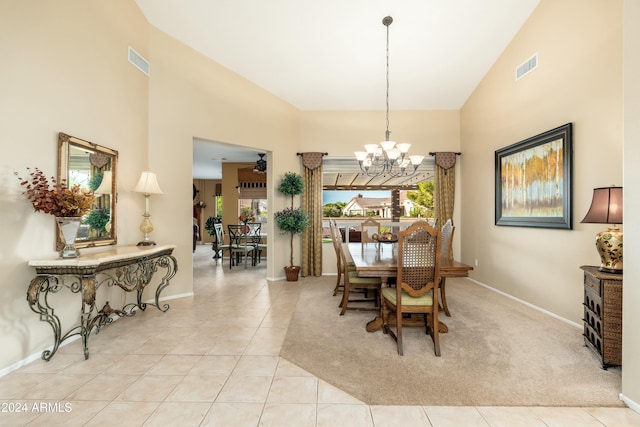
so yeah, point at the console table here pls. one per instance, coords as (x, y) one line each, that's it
(130, 268)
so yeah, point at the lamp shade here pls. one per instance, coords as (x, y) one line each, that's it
(148, 184)
(106, 184)
(606, 206)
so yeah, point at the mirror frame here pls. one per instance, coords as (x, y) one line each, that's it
(64, 143)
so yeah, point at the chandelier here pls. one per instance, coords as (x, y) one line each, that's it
(388, 158)
(261, 165)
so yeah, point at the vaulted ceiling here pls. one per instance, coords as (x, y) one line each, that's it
(330, 54)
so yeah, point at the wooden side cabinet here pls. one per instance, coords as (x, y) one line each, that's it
(603, 315)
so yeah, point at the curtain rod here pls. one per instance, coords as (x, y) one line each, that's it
(300, 154)
(433, 153)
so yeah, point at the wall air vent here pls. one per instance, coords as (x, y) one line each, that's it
(138, 61)
(526, 67)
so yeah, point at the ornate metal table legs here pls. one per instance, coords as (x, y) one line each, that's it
(130, 275)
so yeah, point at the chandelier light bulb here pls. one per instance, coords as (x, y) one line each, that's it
(361, 155)
(371, 148)
(393, 154)
(416, 159)
(387, 145)
(403, 147)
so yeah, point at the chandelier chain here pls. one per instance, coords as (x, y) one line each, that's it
(387, 103)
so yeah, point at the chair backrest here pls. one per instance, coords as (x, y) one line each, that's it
(368, 228)
(418, 259)
(254, 231)
(336, 238)
(446, 238)
(336, 235)
(219, 233)
(237, 234)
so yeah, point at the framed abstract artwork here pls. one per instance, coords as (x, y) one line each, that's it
(533, 181)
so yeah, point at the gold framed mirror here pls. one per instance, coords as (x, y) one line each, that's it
(94, 167)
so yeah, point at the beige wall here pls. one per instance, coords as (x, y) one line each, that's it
(191, 96)
(64, 69)
(340, 133)
(579, 80)
(631, 290)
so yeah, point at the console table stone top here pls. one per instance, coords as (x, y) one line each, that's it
(112, 254)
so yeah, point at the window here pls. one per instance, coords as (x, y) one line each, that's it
(256, 208)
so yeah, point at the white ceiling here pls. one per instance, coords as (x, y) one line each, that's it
(330, 54)
(208, 157)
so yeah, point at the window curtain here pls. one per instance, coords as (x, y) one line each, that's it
(251, 185)
(252, 190)
(445, 185)
(311, 262)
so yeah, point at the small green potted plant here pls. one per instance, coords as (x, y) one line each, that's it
(291, 220)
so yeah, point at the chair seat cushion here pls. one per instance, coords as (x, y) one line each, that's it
(355, 279)
(390, 295)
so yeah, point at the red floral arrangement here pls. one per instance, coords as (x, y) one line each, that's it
(55, 198)
(246, 218)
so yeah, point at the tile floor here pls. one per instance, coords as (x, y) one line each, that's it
(212, 360)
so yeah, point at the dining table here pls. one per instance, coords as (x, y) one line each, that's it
(372, 260)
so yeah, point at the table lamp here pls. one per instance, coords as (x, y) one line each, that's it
(147, 185)
(105, 188)
(106, 184)
(606, 208)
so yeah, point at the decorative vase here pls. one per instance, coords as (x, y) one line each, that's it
(69, 227)
(292, 272)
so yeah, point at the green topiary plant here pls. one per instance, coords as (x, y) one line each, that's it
(291, 220)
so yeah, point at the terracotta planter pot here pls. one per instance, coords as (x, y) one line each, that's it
(292, 273)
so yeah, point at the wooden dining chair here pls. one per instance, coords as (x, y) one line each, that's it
(368, 228)
(446, 252)
(336, 240)
(354, 284)
(240, 245)
(416, 291)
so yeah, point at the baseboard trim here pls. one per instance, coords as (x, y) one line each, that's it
(535, 307)
(634, 406)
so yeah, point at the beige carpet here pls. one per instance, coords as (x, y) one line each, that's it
(497, 352)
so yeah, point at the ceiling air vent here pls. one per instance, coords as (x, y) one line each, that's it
(526, 67)
(138, 61)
